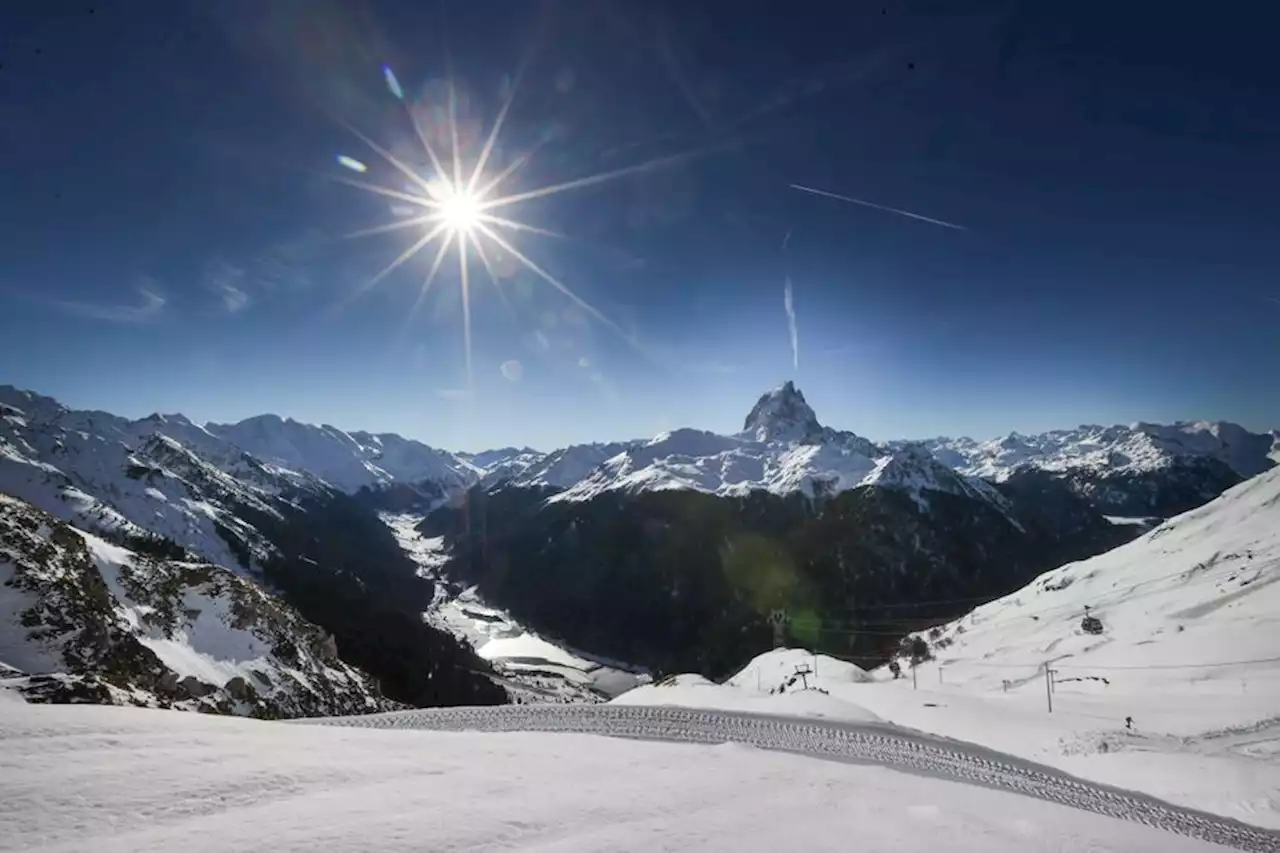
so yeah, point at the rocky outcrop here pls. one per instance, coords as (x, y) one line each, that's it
(88, 621)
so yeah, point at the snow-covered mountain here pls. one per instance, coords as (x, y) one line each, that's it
(349, 460)
(168, 488)
(84, 620)
(130, 481)
(1142, 469)
(1118, 449)
(781, 449)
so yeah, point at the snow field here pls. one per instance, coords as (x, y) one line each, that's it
(118, 779)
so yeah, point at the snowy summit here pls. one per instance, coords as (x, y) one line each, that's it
(782, 415)
(782, 448)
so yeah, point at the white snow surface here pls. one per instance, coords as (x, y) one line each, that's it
(1136, 448)
(1190, 650)
(144, 781)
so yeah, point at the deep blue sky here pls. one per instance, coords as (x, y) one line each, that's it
(171, 229)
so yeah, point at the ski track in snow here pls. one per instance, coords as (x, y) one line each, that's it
(857, 742)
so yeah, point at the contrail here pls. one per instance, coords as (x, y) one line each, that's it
(789, 302)
(885, 208)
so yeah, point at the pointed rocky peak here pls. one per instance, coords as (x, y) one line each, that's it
(782, 415)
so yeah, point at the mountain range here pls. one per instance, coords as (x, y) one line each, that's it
(668, 552)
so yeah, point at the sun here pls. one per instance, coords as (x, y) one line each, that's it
(460, 209)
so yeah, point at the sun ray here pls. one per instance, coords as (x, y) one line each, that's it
(553, 281)
(600, 177)
(392, 226)
(408, 253)
(426, 284)
(519, 226)
(493, 277)
(511, 168)
(453, 135)
(384, 191)
(497, 126)
(466, 304)
(426, 143)
(403, 168)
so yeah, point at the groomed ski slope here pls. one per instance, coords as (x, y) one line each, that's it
(122, 779)
(1190, 650)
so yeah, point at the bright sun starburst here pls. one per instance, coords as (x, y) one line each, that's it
(462, 210)
(459, 209)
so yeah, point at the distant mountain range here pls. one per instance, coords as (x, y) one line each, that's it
(708, 532)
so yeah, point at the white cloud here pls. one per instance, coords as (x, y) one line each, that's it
(789, 303)
(584, 362)
(225, 281)
(149, 306)
(234, 299)
(512, 370)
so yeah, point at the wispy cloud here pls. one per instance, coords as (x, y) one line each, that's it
(148, 306)
(788, 301)
(226, 281)
(512, 370)
(453, 393)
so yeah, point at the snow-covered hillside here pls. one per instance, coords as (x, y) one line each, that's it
(84, 620)
(1202, 588)
(349, 460)
(122, 779)
(130, 479)
(1189, 648)
(1114, 449)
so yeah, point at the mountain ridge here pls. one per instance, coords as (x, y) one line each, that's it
(781, 423)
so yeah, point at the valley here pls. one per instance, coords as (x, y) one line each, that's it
(531, 668)
(575, 574)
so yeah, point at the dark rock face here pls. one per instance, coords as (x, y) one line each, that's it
(686, 581)
(782, 414)
(341, 567)
(195, 688)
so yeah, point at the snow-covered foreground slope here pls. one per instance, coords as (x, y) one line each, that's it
(1192, 607)
(1189, 649)
(112, 779)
